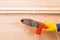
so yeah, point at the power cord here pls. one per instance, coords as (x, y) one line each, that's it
(57, 36)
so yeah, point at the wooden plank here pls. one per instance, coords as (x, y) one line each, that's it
(12, 29)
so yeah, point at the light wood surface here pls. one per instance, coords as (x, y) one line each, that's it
(29, 3)
(12, 29)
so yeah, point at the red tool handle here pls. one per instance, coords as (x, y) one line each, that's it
(40, 28)
(39, 31)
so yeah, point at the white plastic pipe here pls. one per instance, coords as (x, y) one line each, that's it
(45, 10)
(42, 8)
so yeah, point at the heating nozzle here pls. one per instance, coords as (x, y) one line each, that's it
(32, 23)
(29, 22)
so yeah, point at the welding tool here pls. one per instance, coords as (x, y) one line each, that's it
(32, 23)
(48, 26)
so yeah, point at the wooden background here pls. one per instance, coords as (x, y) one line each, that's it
(29, 3)
(12, 29)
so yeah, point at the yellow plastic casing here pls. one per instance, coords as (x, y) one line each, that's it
(51, 26)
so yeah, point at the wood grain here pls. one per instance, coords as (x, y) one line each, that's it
(29, 3)
(12, 29)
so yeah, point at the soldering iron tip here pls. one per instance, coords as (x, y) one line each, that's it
(22, 20)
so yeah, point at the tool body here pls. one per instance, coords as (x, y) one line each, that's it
(48, 26)
(52, 26)
(32, 23)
